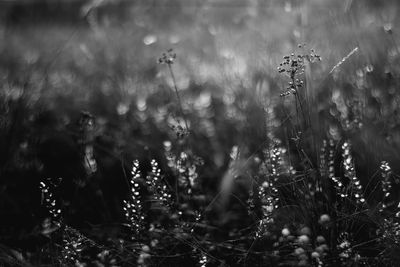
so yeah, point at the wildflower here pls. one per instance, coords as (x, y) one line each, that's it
(285, 232)
(203, 260)
(322, 248)
(168, 57)
(275, 161)
(267, 191)
(303, 239)
(157, 186)
(144, 256)
(320, 239)
(338, 184)
(305, 231)
(72, 246)
(322, 159)
(267, 194)
(315, 255)
(324, 219)
(386, 184)
(181, 132)
(344, 247)
(390, 231)
(350, 173)
(184, 167)
(133, 207)
(51, 204)
(299, 251)
(294, 66)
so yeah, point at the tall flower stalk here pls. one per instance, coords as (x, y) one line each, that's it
(293, 66)
(133, 207)
(168, 58)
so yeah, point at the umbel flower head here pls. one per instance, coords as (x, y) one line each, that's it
(293, 65)
(167, 57)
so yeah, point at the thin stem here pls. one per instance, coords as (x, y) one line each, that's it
(297, 112)
(178, 96)
(301, 106)
(176, 183)
(184, 119)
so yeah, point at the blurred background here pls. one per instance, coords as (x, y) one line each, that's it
(82, 94)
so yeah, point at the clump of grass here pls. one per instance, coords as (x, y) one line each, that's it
(301, 209)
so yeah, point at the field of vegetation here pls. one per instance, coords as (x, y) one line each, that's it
(200, 133)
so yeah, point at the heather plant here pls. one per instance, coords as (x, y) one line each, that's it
(133, 207)
(354, 185)
(157, 186)
(52, 207)
(267, 190)
(387, 202)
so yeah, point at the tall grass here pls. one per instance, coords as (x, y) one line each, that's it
(302, 210)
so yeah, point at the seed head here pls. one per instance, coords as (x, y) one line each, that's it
(167, 57)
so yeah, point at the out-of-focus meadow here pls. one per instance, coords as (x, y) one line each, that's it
(82, 95)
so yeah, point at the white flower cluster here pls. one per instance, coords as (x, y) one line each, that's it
(133, 207)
